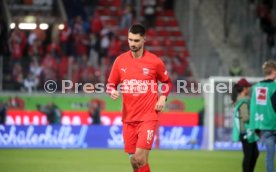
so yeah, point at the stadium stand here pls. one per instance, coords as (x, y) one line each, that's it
(92, 35)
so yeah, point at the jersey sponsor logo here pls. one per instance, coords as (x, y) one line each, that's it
(145, 71)
(136, 86)
(149, 136)
(259, 117)
(261, 95)
(123, 69)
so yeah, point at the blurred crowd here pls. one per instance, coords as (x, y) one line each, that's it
(84, 49)
(265, 11)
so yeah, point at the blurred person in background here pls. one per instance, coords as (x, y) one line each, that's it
(235, 69)
(114, 49)
(31, 83)
(4, 49)
(263, 111)
(241, 131)
(51, 111)
(96, 23)
(3, 112)
(94, 108)
(149, 7)
(126, 19)
(17, 76)
(94, 49)
(64, 37)
(16, 102)
(17, 43)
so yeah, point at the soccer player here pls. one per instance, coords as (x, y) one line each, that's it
(263, 111)
(136, 73)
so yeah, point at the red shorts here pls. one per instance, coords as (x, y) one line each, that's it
(138, 135)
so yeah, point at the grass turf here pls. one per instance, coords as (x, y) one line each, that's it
(95, 160)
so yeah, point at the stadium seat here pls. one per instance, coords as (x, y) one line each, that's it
(186, 53)
(103, 3)
(172, 23)
(164, 33)
(110, 3)
(151, 32)
(169, 13)
(156, 42)
(160, 53)
(123, 32)
(176, 33)
(112, 21)
(180, 43)
(160, 22)
(104, 12)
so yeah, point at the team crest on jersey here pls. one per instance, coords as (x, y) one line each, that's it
(145, 71)
(261, 95)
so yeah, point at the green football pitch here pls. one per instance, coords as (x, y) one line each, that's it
(98, 160)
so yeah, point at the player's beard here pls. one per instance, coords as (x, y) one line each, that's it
(135, 49)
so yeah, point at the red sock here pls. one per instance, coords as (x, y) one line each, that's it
(144, 168)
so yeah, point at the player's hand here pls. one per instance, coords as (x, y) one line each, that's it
(160, 103)
(114, 94)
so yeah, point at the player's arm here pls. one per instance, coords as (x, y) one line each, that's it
(163, 77)
(113, 81)
(244, 113)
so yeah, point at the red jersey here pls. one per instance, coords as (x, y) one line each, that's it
(137, 80)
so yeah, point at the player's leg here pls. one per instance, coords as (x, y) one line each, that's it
(270, 141)
(255, 154)
(130, 140)
(139, 160)
(246, 154)
(146, 131)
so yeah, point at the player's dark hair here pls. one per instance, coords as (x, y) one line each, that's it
(137, 29)
(237, 89)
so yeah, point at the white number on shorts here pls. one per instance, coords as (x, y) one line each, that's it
(150, 136)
